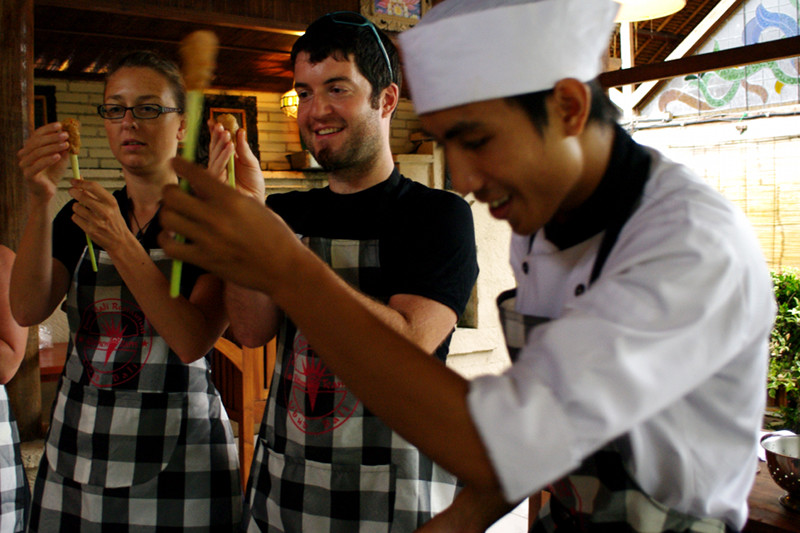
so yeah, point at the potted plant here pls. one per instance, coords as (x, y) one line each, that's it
(783, 378)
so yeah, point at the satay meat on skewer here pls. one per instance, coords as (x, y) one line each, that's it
(230, 123)
(73, 129)
(198, 59)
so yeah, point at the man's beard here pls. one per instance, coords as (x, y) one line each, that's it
(331, 161)
(359, 150)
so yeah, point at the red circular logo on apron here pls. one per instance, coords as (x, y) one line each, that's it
(114, 341)
(317, 402)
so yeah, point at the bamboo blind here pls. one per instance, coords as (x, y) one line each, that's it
(763, 178)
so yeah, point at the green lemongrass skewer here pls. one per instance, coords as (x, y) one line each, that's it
(194, 109)
(76, 173)
(230, 125)
(231, 173)
(199, 53)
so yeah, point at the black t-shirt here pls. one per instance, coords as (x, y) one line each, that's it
(427, 238)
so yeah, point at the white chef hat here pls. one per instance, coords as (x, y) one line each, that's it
(465, 51)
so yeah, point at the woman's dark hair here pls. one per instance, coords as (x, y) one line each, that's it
(602, 110)
(155, 61)
(326, 37)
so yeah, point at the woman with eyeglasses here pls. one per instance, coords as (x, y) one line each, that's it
(139, 439)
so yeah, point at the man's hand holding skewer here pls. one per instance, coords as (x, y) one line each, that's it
(249, 179)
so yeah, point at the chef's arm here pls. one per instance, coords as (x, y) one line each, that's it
(416, 395)
(472, 511)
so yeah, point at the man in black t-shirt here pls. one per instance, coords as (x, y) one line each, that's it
(323, 462)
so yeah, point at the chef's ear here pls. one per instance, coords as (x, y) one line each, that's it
(572, 102)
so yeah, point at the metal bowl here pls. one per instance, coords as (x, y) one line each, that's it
(783, 462)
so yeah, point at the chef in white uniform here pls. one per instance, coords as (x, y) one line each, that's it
(643, 305)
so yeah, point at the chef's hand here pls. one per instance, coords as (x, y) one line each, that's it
(227, 233)
(249, 179)
(43, 160)
(470, 512)
(97, 213)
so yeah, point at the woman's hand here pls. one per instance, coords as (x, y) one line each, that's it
(249, 179)
(43, 160)
(97, 213)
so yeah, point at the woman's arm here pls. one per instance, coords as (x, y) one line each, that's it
(38, 282)
(13, 337)
(190, 326)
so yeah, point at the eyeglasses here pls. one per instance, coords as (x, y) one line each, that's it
(347, 17)
(141, 111)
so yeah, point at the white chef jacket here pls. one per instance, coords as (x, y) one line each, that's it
(668, 346)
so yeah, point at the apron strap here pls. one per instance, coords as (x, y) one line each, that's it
(638, 169)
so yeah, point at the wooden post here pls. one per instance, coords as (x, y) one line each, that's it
(16, 122)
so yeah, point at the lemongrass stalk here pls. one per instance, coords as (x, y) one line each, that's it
(231, 173)
(76, 173)
(194, 110)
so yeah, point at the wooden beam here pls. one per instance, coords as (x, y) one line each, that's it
(101, 35)
(16, 124)
(733, 57)
(715, 18)
(194, 16)
(626, 55)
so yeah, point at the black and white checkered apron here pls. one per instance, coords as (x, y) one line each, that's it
(14, 492)
(138, 441)
(600, 495)
(324, 463)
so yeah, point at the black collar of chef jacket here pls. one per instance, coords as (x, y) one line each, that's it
(613, 201)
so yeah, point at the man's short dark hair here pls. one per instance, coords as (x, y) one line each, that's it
(602, 111)
(326, 38)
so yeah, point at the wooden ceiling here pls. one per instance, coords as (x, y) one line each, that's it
(77, 39)
(654, 40)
